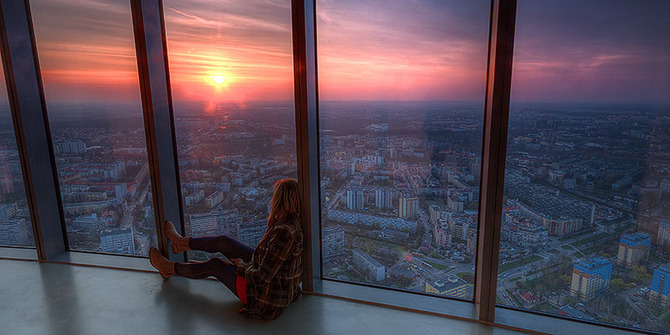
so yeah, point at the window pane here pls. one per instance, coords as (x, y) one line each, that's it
(586, 212)
(15, 224)
(401, 89)
(232, 81)
(87, 58)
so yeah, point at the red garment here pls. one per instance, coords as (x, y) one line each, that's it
(241, 285)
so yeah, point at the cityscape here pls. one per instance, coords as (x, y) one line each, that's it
(586, 222)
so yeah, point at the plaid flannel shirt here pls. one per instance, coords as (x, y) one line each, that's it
(275, 271)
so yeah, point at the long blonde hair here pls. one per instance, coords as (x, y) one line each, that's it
(285, 202)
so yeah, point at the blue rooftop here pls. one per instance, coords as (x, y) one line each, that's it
(594, 262)
(665, 268)
(635, 239)
(636, 236)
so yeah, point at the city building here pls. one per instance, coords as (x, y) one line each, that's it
(590, 277)
(14, 231)
(88, 222)
(355, 200)
(203, 224)
(408, 207)
(118, 241)
(251, 232)
(561, 227)
(372, 220)
(213, 199)
(434, 213)
(663, 235)
(525, 236)
(384, 198)
(371, 268)
(194, 198)
(454, 204)
(633, 248)
(333, 242)
(69, 147)
(8, 210)
(442, 238)
(227, 221)
(451, 286)
(660, 285)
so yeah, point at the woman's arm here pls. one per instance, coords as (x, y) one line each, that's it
(279, 248)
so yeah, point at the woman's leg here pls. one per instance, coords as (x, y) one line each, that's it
(228, 246)
(214, 267)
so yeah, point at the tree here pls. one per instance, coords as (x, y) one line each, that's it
(618, 284)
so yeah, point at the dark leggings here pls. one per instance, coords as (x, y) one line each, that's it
(215, 267)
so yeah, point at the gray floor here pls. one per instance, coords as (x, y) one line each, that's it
(67, 299)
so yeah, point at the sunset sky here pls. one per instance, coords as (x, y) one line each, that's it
(237, 51)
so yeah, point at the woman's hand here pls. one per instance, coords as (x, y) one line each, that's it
(237, 261)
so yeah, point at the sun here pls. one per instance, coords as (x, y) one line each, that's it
(219, 80)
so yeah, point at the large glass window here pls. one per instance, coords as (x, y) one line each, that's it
(232, 80)
(87, 58)
(15, 224)
(586, 221)
(401, 89)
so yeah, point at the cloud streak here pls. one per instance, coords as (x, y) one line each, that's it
(566, 50)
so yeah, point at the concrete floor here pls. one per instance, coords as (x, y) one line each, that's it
(67, 299)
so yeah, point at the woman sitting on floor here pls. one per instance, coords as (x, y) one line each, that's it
(267, 278)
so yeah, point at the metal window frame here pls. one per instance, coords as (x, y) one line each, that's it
(494, 153)
(31, 128)
(156, 92)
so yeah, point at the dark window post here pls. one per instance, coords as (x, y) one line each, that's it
(152, 63)
(303, 18)
(494, 150)
(31, 126)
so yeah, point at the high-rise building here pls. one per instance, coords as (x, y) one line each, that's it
(660, 285)
(663, 233)
(633, 248)
(590, 277)
(408, 207)
(118, 241)
(434, 213)
(333, 242)
(383, 198)
(355, 199)
(442, 238)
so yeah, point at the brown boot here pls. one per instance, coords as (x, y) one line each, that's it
(164, 266)
(179, 243)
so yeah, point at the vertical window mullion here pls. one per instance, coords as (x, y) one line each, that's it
(149, 28)
(303, 18)
(31, 126)
(494, 148)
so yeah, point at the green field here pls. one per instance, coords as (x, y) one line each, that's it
(435, 265)
(565, 238)
(518, 263)
(590, 239)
